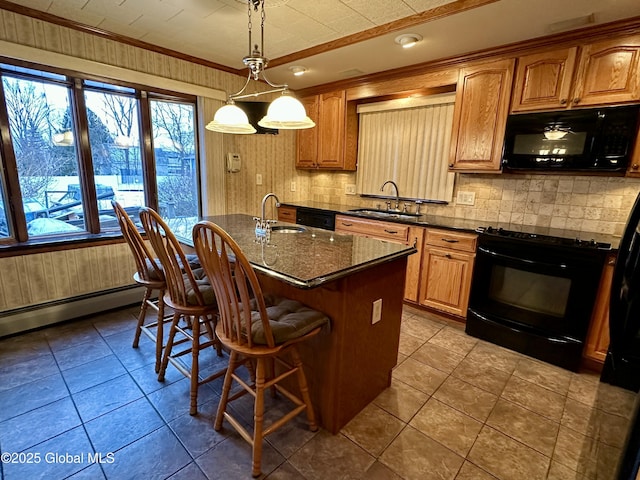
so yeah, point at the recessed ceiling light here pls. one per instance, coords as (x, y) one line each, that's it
(408, 40)
(298, 70)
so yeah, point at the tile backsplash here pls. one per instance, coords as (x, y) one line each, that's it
(587, 203)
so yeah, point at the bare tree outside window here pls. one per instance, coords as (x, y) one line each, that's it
(115, 150)
(42, 133)
(174, 146)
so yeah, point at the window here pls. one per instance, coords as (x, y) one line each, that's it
(116, 153)
(406, 141)
(176, 174)
(76, 144)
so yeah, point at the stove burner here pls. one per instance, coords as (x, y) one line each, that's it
(544, 239)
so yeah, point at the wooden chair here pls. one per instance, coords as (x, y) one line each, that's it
(193, 301)
(262, 328)
(149, 275)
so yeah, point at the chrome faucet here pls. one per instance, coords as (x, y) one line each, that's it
(263, 225)
(397, 209)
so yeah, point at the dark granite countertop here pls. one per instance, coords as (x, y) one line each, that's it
(307, 259)
(451, 223)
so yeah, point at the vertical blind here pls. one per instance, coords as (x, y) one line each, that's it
(406, 141)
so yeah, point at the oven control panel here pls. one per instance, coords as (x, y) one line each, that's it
(543, 239)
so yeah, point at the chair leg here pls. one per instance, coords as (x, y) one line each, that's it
(226, 388)
(258, 417)
(160, 330)
(195, 350)
(167, 350)
(304, 389)
(141, 316)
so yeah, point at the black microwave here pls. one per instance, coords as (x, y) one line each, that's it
(589, 140)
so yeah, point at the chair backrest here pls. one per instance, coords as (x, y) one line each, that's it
(182, 286)
(235, 283)
(146, 264)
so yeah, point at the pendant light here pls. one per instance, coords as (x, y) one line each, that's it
(285, 112)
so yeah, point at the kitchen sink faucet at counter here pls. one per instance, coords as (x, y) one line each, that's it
(263, 225)
(397, 208)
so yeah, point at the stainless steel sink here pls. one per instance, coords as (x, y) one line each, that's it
(287, 229)
(368, 212)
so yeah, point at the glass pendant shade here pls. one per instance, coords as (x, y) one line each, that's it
(231, 119)
(287, 113)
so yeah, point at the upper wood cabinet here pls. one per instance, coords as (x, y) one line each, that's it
(543, 80)
(329, 145)
(608, 72)
(603, 73)
(480, 115)
(634, 163)
(307, 155)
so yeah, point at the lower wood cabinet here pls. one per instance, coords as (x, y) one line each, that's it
(447, 266)
(392, 232)
(439, 274)
(597, 343)
(287, 214)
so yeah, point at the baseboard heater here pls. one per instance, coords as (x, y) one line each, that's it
(29, 318)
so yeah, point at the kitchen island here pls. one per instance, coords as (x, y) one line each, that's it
(349, 363)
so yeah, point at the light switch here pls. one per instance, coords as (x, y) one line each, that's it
(293, 186)
(258, 179)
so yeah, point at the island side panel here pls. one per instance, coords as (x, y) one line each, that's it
(349, 366)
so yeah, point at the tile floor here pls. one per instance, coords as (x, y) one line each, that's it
(458, 408)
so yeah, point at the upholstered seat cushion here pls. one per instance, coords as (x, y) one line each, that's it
(192, 260)
(289, 319)
(203, 285)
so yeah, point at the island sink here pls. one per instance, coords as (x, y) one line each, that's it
(287, 229)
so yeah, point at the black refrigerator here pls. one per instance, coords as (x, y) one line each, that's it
(620, 379)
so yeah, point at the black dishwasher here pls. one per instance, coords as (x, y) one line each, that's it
(313, 217)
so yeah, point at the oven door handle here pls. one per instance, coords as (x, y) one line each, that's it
(493, 253)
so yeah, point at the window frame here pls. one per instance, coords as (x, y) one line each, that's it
(19, 238)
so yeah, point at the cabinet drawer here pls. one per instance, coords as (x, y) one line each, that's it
(372, 228)
(287, 214)
(465, 242)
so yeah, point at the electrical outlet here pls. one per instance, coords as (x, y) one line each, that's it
(376, 314)
(350, 189)
(293, 186)
(466, 198)
(258, 179)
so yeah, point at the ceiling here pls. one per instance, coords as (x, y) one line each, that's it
(333, 39)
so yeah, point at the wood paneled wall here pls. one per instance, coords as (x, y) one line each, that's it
(27, 280)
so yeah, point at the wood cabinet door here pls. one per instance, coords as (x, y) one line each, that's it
(411, 286)
(446, 280)
(597, 342)
(331, 129)
(307, 155)
(543, 80)
(634, 164)
(608, 72)
(480, 116)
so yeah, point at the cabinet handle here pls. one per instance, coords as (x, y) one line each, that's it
(449, 240)
(576, 101)
(347, 224)
(451, 165)
(635, 166)
(448, 255)
(392, 232)
(563, 101)
(612, 261)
